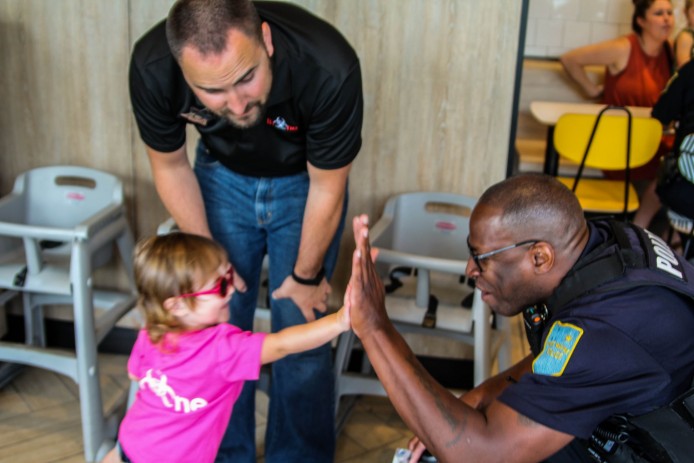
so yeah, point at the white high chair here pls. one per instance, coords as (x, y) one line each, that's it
(57, 225)
(428, 232)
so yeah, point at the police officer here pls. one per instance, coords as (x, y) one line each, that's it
(621, 342)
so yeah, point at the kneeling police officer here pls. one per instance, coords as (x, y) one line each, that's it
(610, 318)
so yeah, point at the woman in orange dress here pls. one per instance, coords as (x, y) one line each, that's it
(637, 68)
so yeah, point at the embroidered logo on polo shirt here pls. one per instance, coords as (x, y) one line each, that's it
(197, 116)
(558, 349)
(280, 124)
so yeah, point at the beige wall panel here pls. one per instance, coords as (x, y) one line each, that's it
(62, 68)
(438, 82)
(149, 211)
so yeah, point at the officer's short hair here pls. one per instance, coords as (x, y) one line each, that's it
(536, 201)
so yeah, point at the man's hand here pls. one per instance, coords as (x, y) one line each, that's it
(365, 295)
(306, 297)
(322, 215)
(239, 283)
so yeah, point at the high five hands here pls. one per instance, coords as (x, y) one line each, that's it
(365, 296)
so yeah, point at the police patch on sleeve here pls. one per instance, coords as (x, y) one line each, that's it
(558, 349)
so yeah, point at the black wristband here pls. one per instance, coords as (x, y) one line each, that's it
(315, 281)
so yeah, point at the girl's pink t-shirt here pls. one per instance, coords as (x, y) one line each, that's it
(187, 392)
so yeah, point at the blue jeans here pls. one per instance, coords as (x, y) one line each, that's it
(251, 216)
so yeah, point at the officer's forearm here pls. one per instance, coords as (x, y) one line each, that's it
(428, 409)
(484, 394)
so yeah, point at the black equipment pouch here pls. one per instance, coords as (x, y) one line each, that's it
(664, 435)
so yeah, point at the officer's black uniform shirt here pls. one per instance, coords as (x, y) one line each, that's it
(314, 110)
(617, 352)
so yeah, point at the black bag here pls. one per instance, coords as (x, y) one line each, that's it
(675, 191)
(665, 435)
(667, 170)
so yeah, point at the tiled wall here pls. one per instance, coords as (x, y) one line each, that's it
(556, 26)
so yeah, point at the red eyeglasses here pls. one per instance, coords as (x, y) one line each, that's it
(221, 286)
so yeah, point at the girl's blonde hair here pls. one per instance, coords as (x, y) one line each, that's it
(168, 266)
(688, 4)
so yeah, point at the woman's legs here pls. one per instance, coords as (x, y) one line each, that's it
(649, 207)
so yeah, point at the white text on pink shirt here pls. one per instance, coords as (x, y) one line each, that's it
(168, 396)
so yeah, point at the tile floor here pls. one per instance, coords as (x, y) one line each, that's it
(40, 422)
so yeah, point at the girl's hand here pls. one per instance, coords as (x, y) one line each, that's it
(417, 448)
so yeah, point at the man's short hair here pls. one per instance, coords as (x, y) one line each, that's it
(536, 201)
(204, 24)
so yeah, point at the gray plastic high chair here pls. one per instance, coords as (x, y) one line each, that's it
(57, 226)
(426, 232)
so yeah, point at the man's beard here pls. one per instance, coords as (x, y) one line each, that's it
(247, 122)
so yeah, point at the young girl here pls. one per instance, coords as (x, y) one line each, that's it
(684, 42)
(190, 363)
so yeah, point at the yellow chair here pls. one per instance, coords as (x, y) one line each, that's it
(607, 141)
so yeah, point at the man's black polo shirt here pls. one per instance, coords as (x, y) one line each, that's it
(314, 110)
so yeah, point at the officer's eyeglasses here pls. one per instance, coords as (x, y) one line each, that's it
(478, 258)
(221, 286)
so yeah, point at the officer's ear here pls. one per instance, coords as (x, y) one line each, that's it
(543, 256)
